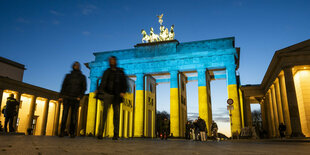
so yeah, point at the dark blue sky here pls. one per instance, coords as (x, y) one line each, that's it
(47, 36)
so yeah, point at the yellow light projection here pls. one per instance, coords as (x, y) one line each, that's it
(51, 118)
(302, 86)
(23, 114)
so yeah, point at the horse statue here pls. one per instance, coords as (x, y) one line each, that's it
(163, 34)
(171, 33)
(145, 37)
(153, 37)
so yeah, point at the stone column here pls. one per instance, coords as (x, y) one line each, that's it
(203, 98)
(247, 109)
(233, 94)
(174, 105)
(292, 103)
(1, 95)
(92, 107)
(275, 111)
(272, 119)
(56, 121)
(31, 111)
(17, 97)
(264, 117)
(45, 113)
(279, 101)
(139, 106)
(268, 115)
(286, 113)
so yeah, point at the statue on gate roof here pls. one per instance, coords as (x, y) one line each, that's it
(164, 34)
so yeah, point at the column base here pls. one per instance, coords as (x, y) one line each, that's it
(297, 135)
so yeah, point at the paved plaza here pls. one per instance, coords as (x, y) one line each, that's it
(88, 145)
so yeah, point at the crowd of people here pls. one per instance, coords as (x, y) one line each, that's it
(197, 130)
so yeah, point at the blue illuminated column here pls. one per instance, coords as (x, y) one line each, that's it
(139, 103)
(174, 104)
(235, 117)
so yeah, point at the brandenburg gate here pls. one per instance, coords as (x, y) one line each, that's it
(163, 56)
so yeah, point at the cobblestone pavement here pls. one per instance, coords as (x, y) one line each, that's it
(88, 145)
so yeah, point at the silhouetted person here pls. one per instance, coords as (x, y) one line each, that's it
(113, 86)
(202, 128)
(10, 112)
(196, 130)
(188, 130)
(282, 129)
(165, 131)
(214, 129)
(72, 91)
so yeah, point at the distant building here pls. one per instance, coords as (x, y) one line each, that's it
(284, 94)
(39, 107)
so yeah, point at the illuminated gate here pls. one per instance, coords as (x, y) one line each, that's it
(208, 59)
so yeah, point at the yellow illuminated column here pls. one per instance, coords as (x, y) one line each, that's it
(18, 96)
(91, 110)
(1, 95)
(242, 113)
(174, 105)
(272, 120)
(57, 118)
(91, 114)
(263, 112)
(45, 112)
(235, 117)
(31, 111)
(286, 112)
(131, 124)
(279, 102)
(247, 109)
(125, 135)
(121, 120)
(203, 100)
(275, 111)
(139, 106)
(292, 103)
(110, 126)
(268, 115)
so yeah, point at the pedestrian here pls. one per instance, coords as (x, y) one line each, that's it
(72, 91)
(188, 130)
(113, 86)
(165, 131)
(196, 130)
(10, 112)
(214, 129)
(202, 128)
(282, 129)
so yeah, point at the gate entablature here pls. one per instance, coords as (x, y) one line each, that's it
(162, 57)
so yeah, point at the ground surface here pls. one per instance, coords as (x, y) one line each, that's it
(18, 144)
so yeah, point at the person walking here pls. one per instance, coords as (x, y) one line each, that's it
(72, 91)
(10, 112)
(282, 129)
(188, 130)
(165, 131)
(214, 129)
(202, 128)
(196, 130)
(113, 86)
